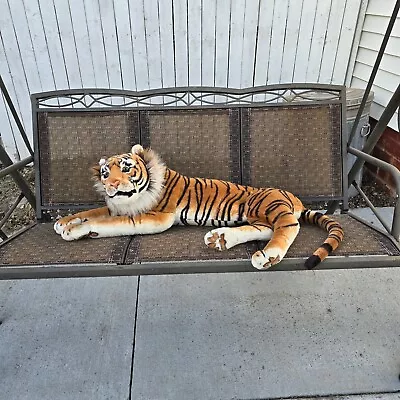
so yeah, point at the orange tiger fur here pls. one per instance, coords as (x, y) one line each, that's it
(143, 196)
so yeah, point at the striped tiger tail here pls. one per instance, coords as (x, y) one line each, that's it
(335, 235)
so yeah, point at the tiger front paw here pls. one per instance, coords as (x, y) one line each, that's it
(264, 259)
(60, 225)
(76, 231)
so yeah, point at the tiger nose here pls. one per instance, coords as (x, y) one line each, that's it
(114, 183)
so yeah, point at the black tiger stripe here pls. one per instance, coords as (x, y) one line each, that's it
(168, 193)
(211, 207)
(260, 202)
(335, 237)
(287, 226)
(187, 182)
(285, 194)
(317, 216)
(327, 247)
(225, 210)
(144, 185)
(198, 190)
(227, 201)
(275, 205)
(257, 207)
(206, 208)
(183, 218)
(280, 215)
(241, 211)
(261, 224)
(217, 215)
(256, 197)
(232, 203)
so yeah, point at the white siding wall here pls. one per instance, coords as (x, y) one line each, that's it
(142, 44)
(388, 77)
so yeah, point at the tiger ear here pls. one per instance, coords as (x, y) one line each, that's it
(102, 161)
(96, 171)
(138, 150)
(96, 168)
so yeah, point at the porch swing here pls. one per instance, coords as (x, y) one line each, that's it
(37, 252)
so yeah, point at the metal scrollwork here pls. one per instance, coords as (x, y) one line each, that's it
(188, 97)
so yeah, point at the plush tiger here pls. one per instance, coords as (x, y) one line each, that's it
(143, 196)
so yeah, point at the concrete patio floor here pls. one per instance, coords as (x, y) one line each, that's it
(300, 334)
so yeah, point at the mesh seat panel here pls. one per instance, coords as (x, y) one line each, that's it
(40, 245)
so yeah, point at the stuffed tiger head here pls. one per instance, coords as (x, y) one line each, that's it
(131, 183)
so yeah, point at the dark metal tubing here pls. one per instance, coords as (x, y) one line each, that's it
(16, 166)
(372, 207)
(11, 210)
(345, 192)
(334, 204)
(102, 270)
(38, 186)
(375, 70)
(164, 91)
(15, 115)
(371, 142)
(19, 180)
(3, 235)
(161, 107)
(377, 132)
(180, 93)
(395, 231)
(37, 98)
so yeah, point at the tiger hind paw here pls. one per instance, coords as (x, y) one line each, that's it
(264, 259)
(220, 239)
(215, 241)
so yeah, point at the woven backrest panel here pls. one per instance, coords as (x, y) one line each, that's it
(70, 143)
(296, 148)
(200, 143)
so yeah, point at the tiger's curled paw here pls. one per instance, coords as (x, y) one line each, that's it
(65, 221)
(77, 231)
(264, 259)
